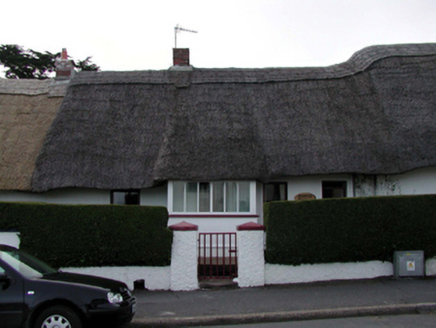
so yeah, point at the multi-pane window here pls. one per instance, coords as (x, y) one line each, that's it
(215, 197)
(275, 191)
(125, 197)
(334, 189)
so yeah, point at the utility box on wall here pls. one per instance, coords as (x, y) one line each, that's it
(409, 264)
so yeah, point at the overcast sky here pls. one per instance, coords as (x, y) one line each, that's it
(138, 35)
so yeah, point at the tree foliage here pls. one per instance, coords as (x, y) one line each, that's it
(30, 64)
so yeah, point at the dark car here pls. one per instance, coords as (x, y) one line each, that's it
(34, 295)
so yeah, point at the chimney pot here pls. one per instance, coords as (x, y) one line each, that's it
(64, 54)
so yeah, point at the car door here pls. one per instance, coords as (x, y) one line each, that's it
(11, 298)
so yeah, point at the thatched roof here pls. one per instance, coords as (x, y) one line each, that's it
(27, 109)
(374, 114)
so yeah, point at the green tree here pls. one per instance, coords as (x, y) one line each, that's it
(30, 64)
(86, 65)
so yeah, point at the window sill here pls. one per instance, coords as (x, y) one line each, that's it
(209, 215)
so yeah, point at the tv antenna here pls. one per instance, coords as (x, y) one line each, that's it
(178, 29)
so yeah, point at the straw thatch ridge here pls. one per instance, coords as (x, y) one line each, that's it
(360, 61)
(32, 87)
(27, 109)
(374, 114)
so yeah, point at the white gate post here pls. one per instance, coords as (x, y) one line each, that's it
(184, 273)
(251, 259)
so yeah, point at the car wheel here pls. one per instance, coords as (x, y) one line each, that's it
(58, 317)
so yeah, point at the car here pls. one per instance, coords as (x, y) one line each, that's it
(35, 295)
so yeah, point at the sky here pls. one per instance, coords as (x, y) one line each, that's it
(139, 34)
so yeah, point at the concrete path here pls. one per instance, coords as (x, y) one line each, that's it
(338, 299)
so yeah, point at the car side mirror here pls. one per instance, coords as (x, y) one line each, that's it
(5, 281)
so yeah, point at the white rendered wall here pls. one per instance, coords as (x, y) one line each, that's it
(159, 278)
(259, 202)
(78, 196)
(61, 196)
(10, 238)
(430, 267)
(156, 196)
(313, 184)
(16, 196)
(251, 262)
(155, 278)
(417, 182)
(288, 274)
(420, 181)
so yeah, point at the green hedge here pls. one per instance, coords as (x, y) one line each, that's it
(91, 235)
(349, 229)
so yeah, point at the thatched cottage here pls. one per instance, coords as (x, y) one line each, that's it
(214, 144)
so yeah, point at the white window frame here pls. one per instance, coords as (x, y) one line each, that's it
(252, 209)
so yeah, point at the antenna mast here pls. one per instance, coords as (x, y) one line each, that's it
(177, 29)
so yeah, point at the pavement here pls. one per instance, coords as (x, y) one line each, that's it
(220, 304)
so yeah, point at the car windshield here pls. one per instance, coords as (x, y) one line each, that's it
(26, 264)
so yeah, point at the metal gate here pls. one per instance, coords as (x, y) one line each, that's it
(217, 256)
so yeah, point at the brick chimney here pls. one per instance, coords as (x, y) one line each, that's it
(64, 67)
(180, 56)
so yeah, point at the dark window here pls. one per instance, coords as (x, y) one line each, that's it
(334, 189)
(125, 197)
(275, 191)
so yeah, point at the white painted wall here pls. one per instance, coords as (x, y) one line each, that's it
(313, 184)
(417, 182)
(10, 238)
(155, 278)
(60, 196)
(159, 278)
(288, 274)
(430, 267)
(259, 202)
(156, 196)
